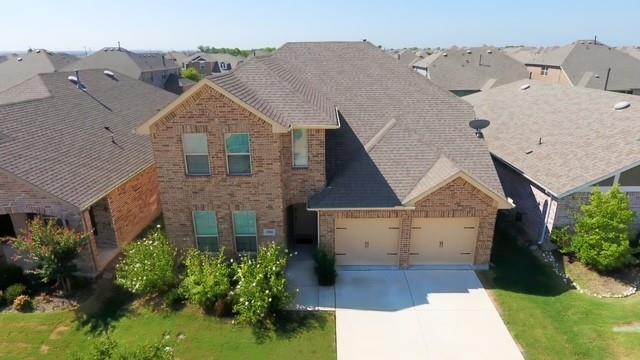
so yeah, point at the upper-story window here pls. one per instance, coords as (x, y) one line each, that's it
(205, 224)
(223, 66)
(544, 71)
(238, 148)
(300, 147)
(196, 154)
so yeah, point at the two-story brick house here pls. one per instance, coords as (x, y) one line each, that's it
(303, 146)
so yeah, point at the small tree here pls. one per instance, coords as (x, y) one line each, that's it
(148, 266)
(191, 74)
(53, 249)
(262, 286)
(603, 230)
(208, 278)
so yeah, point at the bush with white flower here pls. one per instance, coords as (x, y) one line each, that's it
(208, 278)
(262, 286)
(148, 267)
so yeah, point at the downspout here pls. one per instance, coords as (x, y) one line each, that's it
(543, 230)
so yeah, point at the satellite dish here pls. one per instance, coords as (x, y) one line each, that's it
(478, 125)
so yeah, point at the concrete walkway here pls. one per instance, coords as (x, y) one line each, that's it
(418, 314)
(303, 282)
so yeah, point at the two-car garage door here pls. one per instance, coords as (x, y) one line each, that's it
(433, 241)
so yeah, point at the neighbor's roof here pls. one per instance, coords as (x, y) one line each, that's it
(18, 68)
(586, 63)
(123, 61)
(230, 59)
(583, 137)
(476, 68)
(56, 137)
(632, 50)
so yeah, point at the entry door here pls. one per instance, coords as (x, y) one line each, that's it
(443, 241)
(367, 241)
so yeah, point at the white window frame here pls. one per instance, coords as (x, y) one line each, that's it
(235, 242)
(226, 153)
(293, 158)
(544, 71)
(195, 229)
(184, 155)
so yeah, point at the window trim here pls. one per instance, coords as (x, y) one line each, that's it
(293, 158)
(544, 71)
(235, 241)
(184, 155)
(195, 229)
(226, 153)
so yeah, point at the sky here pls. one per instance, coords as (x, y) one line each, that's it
(181, 25)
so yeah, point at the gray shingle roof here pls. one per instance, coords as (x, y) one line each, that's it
(229, 59)
(13, 72)
(586, 64)
(58, 142)
(483, 67)
(302, 82)
(583, 137)
(123, 61)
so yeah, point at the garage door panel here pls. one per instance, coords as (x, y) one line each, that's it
(367, 241)
(443, 241)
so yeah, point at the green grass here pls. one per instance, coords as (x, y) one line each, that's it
(299, 336)
(552, 321)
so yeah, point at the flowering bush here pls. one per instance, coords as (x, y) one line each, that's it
(106, 348)
(148, 266)
(262, 286)
(208, 278)
(22, 303)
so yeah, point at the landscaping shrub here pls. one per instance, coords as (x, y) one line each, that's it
(262, 286)
(53, 248)
(173, 298)
(561, 237)
(325, 267)
(10, 274)
(603, 230)
(22, 303)
(106, 348)
(148, 267)
(191, 74)
(13, 291)
(208, 278)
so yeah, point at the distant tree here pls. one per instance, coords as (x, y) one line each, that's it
(53, 249)
(191, 74)
(233, 51)
(603, 230)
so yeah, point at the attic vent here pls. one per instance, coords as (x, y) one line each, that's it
(468, 51)
(525, 87)
(489, 51)
(445, 54)
(73, 79)
(110, 74)
(38, 51)
(19, 59)
(622, 105)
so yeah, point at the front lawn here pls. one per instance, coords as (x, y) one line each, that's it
(60, 335)
(552, 321)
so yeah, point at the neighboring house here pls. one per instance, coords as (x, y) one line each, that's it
(208, 64)
(69, 153)
(17, 68)
(553, 144)
(382, 169)
(152, 68)
(632, 50)
(465, 71)
(181, 58)
(407, 57)
(587, 63)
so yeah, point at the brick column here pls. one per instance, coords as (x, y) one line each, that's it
(405, 238)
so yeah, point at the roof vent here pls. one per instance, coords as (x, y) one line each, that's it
(38, 51)
(445, 54)
(110, 74)
(73, 79)
(19, 59)
(489, 51)
(622, 105)
(525, 87)
(468, 51)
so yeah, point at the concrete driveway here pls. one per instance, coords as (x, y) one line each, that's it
(418, 314)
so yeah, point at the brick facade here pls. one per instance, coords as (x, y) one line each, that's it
(268, 191)
(134, 205)
(456, 199)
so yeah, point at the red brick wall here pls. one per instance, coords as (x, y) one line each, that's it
(262, 192)
(300, 183)
(456, 199)
(134, 205)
